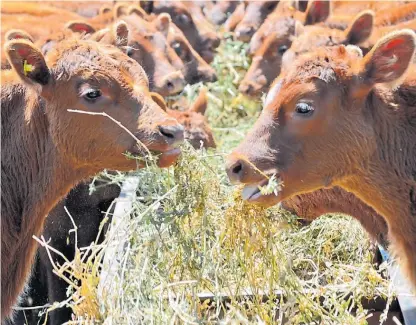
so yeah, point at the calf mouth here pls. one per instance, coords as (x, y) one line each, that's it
(263, 193)
(165, 158)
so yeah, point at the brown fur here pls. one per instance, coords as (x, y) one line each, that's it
(254, 15)
(361, 136)
(310, 206)
(189, 18)
(232, 22)
(220, 11)
(49, 149)
(270, 42)
(359, 30)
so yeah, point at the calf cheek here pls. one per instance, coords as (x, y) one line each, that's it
(261, 145)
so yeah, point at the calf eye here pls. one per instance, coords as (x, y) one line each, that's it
(304, 109)
(92, 94)
(130, 51)
(282, 49)
(183, 19)
(178, 49)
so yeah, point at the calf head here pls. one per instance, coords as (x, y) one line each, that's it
(266, 64)
(254, 15)
(197, 130)
(149, 46)
(195, 68)
(283, 22)
(192, 22)
(317, 128)
(312, 37)
(96, 79)
(219, 11)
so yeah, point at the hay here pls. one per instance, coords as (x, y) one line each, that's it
(189, 234)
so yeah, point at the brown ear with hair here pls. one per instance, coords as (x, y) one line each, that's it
(80, 27)
(17, 34)
(201, 103)
(119, 10)
(317, 11)
(147, 6)
(121, 34)
(28, 62)
(360, 28)
(158, 99)
(137, 10)
(162, 23)
(389, 59)
(104, 10)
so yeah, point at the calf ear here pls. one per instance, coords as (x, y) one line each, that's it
(28, 62)
(147, 6)
(201, 103)
(302, 5)
(361, 27)
(120, 10)
(138, 11)
(80, 27)
(121, 34)
(390, 58)
(17, 34)
(158, 99)
(104, 10)
(317, 11)
(162, 23)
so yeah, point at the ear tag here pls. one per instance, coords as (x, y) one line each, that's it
(27, 68)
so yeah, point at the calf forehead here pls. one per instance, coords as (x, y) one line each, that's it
(89, 59)
(327, 64)
(315, 36)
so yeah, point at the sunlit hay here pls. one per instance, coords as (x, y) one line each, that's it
(190, 235)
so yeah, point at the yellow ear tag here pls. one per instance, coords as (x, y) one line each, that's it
(27, 68)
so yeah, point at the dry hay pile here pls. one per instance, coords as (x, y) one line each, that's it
(189, 236)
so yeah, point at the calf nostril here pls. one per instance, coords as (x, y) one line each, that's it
(237, 168)
(169, 84)
(166, 132)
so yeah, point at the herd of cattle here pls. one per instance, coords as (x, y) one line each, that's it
(83, 83)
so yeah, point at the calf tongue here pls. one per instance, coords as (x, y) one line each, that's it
(249, 191)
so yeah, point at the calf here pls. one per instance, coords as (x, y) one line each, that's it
(335, 104)
(267, 60)
(220, 11)
(197, 130)
(284, 20)
(189, 18)
(359, 30)
(193, 66)
(88, 212)
(55, 148)
(254, 15)
(232, 22)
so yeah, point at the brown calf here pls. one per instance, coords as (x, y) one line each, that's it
(335, 118)
(284, 20)
(195, 68)
(88, 211)
(220, 11)
(232, 22)
(197, 130)
(267, 60)
(358, 31)
(55, 149)
(254, 15)
(192, 22)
